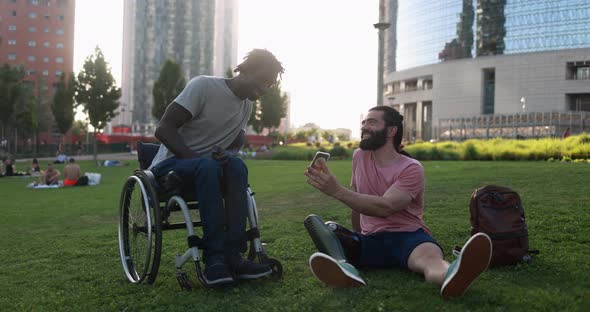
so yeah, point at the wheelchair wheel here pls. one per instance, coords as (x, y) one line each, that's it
(140, 233)
(277, 268)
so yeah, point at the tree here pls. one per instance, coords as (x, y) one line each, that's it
(97, 93)
(229, 73)
(25, 115)
(274, 107)
(167, 87)
(11, 89)
(255, 118)
(269, 109)
(63, 103)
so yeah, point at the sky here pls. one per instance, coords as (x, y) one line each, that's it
(328, 49)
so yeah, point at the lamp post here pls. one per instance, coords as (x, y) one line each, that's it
(523, 102)
(382, 25)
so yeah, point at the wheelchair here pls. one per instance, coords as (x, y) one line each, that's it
(145, 207)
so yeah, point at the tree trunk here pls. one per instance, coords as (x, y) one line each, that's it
(15, 141)
(95, 147)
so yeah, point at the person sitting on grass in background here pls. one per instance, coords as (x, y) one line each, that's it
(35, 168)
(72, 173)
(8, 168)
(387, 203)
(50, 176)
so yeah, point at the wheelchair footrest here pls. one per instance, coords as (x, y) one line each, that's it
(184, 281)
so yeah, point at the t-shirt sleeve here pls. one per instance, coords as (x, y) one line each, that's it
(411, 180)
(192, 95)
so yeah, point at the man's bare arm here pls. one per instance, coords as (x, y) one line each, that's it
(391, 202)
(167, 130)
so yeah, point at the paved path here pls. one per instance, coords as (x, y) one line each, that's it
(101, 157)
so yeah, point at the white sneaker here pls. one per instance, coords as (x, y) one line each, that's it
(334, 273)
(474, 259)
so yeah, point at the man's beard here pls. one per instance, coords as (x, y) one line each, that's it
(375, 141)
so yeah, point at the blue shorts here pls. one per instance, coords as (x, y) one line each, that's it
(391, 249)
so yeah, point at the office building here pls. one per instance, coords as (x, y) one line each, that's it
(483, 68)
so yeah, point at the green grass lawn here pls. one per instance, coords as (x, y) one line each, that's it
(59, 248)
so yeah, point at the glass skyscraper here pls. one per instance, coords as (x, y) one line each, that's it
(429, 32)
(199, 35)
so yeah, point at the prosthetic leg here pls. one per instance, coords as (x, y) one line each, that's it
(330, 264)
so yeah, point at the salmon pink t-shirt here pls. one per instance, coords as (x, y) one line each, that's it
(405, 174)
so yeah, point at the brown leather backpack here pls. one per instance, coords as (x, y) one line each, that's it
(498, 212)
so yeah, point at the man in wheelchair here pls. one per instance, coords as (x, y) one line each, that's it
(196, 131)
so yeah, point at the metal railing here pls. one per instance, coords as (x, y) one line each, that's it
(518, 126)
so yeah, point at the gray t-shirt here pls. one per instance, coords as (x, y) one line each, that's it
(218, 116)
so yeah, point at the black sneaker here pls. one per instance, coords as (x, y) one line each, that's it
(216, 273)
(247, 270)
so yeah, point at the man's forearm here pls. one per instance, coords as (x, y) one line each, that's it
(173, 141)
(370, 205)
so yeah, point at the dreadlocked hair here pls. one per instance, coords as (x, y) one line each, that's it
(393, 118)
(260, 58)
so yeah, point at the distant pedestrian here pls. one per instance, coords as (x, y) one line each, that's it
(566, 133)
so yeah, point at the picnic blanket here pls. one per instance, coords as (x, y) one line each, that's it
(93, 179)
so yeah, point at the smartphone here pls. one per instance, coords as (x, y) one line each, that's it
(318, 155)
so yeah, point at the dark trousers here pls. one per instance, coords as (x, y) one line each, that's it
(221, 192)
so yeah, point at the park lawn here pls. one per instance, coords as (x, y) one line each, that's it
(59, 248)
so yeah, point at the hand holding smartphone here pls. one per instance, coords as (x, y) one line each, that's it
(319, 155)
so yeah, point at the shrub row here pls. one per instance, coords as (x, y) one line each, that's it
(573, 147)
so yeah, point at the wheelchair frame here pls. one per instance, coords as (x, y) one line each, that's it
(144, 209)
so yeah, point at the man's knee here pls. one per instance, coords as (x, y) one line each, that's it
(350, 241)
(236, 168)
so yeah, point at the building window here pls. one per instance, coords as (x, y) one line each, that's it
(46, 30)
(11, 41)
(58, 73)
(59, 45)
(46, 44)
(31, 72)
(583, 73)
(60, 17)
(33, 15)
(489, 89)
(59, 59)
(46, 73)
(46, 59)
(31, 58)
(11, 56)
(32, 43)
(12, 27)
(59, 31)
(32, 29)
(34, 2)
(46, 16)
(13, 13)
(579, 70)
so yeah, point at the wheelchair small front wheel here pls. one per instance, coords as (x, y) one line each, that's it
(276, 266)
(140, 236)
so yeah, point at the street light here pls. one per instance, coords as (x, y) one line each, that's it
(381, 26)
(523, 101)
